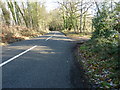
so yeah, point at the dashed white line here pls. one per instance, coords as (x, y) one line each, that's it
(50, 37)
(11, 59)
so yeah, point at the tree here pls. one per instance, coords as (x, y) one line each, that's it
(5, 13)
(69, 10)
(17, 12)
(12, 9)
(55, 22)
(117, 17)
(73, 12)
(104, 21)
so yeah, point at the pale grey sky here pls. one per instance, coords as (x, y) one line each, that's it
(51, 4)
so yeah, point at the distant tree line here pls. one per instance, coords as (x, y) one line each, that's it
(29, 14)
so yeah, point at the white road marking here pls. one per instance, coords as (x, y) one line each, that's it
(50, 37)
(11, 59)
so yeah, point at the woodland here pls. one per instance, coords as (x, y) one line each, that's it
(100, 54)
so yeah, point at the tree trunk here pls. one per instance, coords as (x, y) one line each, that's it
(81, 18)
(5, 13)
(84, 23)
(11, 6)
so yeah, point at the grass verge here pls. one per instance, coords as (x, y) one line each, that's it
(12, 34)
(100, 60)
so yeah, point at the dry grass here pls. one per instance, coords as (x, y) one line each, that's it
(77, 36)
(16, 33)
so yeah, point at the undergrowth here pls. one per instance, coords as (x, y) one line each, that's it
(12, 34)
(101, 53)
(101, 62)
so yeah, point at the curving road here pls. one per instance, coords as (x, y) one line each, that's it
(42, 62)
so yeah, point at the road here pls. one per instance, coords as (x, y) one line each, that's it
(42, 62)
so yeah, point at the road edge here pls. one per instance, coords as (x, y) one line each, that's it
(80, 72)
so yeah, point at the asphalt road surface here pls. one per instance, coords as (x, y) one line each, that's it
(42, 62)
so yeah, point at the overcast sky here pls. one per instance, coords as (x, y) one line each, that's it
(52, 4)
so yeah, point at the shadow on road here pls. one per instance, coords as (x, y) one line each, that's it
(53, 58)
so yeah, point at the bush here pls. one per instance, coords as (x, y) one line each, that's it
(102, 61)
(16, 33)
